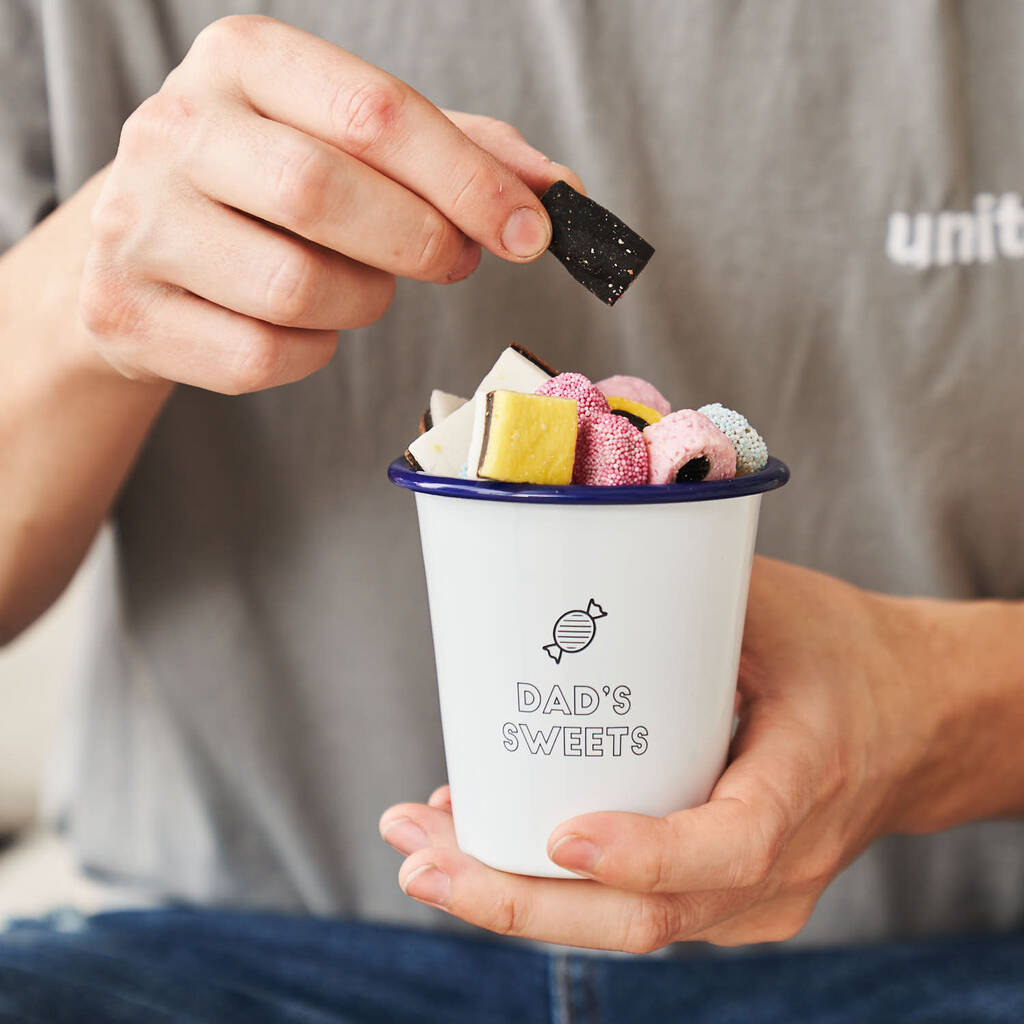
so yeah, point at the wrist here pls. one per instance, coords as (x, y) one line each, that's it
(82, 360)
(49, 264)
(960, 721)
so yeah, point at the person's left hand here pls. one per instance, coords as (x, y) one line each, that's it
(830, 754)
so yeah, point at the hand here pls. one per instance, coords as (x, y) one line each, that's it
(268, 195)
(829, 755)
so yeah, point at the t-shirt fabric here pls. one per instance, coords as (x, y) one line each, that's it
(831, 190)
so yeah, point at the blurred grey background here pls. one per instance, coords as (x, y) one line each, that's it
(37, 872)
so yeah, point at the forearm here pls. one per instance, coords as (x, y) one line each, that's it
(967, 662)
(70, 426)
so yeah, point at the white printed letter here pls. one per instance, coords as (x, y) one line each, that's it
(1009, 218)
(954, 238)
(899, 246)
(984, 204)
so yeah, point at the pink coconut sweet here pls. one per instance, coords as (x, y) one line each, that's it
(686, 446)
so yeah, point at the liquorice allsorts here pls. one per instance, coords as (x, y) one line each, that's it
(599, 250)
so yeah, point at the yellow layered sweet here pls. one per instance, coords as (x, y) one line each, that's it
(637, 413)
(528, 439)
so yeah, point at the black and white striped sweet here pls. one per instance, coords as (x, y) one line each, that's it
(574, 631)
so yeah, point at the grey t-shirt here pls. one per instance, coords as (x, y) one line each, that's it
(831, 191)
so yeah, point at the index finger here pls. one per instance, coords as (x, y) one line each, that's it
(303, 81)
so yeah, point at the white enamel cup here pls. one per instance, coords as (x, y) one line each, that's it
(587, 642)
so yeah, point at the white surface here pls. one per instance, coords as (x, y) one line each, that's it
(442, 450)
(672, 580)
(40, 874)
(35, 672)
(443, 404)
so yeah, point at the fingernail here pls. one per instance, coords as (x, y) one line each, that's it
(405, 836)
(429, 884)
(577, 854)
(468, 261)
(525, 233)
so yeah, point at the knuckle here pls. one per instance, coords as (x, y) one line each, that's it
(113, 217)
(816, 870)
(106, 305)
(225, 35)
(657, 923)
(174, 110)
(836, 774)
(484, 182)
(291, 287)
(435, 255)
(509, 916)
(653, 874)
(765, 842)
(656, 871)
(760, 864)
(493, 128)
(504, 127)
(302, 187)
(137, 127)
(467, 189)
(258, 364)
(363, 118)
(157, 121)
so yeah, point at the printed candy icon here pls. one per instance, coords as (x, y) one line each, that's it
(574, 631)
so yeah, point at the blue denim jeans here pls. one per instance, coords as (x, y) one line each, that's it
(222, 968)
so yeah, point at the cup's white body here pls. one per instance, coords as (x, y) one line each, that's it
(641, 717)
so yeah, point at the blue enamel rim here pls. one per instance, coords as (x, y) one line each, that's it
(774, 475)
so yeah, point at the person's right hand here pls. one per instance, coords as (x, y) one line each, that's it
(267, 196)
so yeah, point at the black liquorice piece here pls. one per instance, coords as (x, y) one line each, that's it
(637, 422)
(601, 252)
(694, 470)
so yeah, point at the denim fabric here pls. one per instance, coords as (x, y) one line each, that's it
(222, 968)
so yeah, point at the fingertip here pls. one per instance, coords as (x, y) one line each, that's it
(526, 234)
(472, 253)
(575, 853)
(441, 798)
(570, 177)
(581, 825)
(389, 817)
(440, 857)
(412, 811)
(413, 864)
(330, 341)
